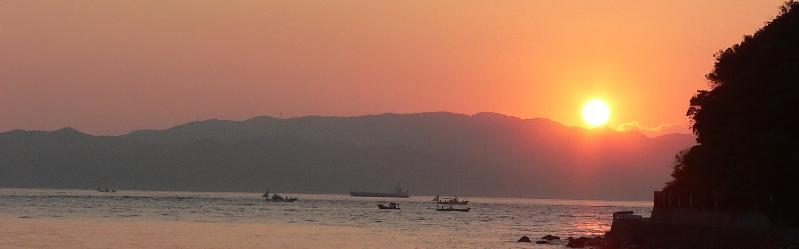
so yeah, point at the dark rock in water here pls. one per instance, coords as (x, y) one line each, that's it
(578, 242)
(542, 242)
(586, 241)
(550, 237)
(596, 241)
(525, 239)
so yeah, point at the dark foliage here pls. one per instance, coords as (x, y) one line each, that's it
(746, 125)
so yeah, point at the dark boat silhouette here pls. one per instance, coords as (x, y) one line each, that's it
(105, 190)
(397, 194)
(452, 209)
(391, 205)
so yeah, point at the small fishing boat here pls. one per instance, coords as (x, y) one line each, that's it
(391, 205)
(451, 200)
(448, 207)
(275, 197)
(106, 190)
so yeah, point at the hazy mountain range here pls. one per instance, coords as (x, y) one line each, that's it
(486, 154)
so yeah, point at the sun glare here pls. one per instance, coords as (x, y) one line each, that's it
(596, 113)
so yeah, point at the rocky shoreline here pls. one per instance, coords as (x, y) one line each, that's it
(570, 242)
(630, 231)
(663, 236)
(608, 241)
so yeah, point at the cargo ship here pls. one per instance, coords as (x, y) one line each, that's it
(397, 194)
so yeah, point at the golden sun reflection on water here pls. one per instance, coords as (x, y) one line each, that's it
(592, 227)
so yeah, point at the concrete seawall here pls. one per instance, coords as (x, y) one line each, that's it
(687, 220)
(645, 232)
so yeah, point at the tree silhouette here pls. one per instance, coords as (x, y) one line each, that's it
(746, 125)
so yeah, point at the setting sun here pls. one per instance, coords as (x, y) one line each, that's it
(323, 123)
(596, 113)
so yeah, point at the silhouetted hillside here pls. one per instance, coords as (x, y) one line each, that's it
(484, 154)
(746, 124)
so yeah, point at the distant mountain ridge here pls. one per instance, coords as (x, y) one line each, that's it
(485, 154)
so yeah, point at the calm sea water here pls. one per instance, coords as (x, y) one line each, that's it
(492, 222)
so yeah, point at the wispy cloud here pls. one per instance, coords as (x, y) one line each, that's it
(659, 129)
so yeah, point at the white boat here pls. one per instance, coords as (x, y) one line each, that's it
(275, 197)
(449, 200)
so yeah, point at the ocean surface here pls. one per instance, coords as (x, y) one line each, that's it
(491, 223)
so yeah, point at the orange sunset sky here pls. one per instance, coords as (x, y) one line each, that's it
(110, 67)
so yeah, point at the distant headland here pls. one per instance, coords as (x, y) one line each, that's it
(485, 154)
